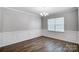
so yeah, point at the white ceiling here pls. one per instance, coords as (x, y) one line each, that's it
(38, 10)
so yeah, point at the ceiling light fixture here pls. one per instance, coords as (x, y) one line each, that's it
(43, 14)
(43, 11)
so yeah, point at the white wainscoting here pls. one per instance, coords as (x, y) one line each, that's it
(70, 36)
(7, 38)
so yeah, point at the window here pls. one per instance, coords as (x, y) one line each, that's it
(56, 24)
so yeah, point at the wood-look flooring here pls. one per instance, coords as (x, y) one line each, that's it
(41, 44)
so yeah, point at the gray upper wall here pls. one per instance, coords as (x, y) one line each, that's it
(78, 19)
(0, 19)
(16, 21)
(70, 19)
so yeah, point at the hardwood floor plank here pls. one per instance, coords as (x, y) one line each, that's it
(41, 44)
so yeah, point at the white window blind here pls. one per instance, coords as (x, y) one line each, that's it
(56, 24)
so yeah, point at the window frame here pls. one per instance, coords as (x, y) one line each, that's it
(54, 25)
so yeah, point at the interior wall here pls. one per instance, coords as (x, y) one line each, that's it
(70, 26)
(1, 41)
(78, 25)
(19, 26)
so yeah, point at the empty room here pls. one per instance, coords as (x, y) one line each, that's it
(39, 29)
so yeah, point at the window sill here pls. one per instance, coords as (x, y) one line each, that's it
(55, 31)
